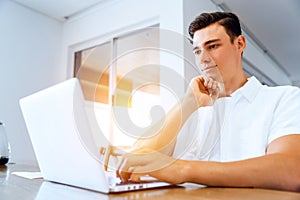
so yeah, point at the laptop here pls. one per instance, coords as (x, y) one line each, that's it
(54, 117)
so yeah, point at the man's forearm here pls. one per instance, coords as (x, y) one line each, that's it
(162, 136)
(275, 171)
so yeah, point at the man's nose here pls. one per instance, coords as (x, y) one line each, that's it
(204, 57)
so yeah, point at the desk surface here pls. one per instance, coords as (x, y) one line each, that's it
(14, 187)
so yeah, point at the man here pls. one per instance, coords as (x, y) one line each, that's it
(258, 141)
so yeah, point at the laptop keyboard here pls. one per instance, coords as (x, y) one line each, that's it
(114, 180)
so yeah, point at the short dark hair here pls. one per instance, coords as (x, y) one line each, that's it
(228, 20)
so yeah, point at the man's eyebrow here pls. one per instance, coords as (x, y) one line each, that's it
(196, 47)
(211, 41)
(207, 43)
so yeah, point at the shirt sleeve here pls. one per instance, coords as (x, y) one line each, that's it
(286, 117)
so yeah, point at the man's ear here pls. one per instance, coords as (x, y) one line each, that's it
(241, 42)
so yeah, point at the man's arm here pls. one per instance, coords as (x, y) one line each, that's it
(162, 136)
(278, 169)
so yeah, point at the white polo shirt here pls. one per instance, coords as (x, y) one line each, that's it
(240, 126)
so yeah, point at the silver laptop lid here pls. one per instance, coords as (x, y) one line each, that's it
(53, 130)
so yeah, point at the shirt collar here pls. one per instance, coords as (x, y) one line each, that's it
(249, 90)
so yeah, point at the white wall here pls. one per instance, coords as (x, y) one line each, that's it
(30, 56)
(262, 63)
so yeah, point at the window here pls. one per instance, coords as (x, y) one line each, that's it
(123, 72)
(130, 56)
(91, 67)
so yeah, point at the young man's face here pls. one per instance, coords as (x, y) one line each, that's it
(215, 54)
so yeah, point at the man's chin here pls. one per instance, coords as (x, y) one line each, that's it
(214, 74)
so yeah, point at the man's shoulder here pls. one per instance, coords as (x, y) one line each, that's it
(285, 93)
(283, 89)
(274, 89)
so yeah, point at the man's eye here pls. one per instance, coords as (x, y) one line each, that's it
(197, 52)
(214, 46)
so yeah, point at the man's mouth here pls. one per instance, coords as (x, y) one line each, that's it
(207, 68)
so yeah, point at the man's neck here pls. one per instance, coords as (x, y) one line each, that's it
(235, 83)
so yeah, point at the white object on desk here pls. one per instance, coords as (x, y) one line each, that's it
(29, 175)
